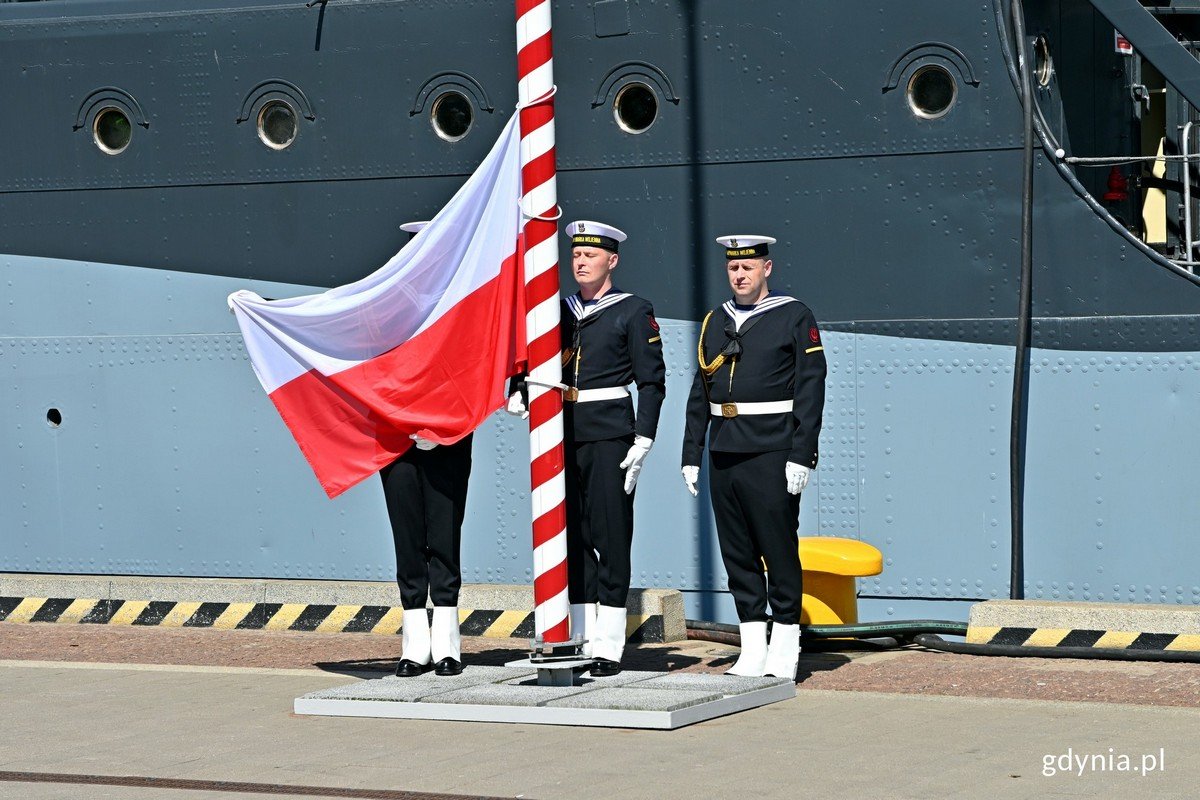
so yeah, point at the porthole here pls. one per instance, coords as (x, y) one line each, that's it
(111, 130)
(635, 108)
(931, 91)
(277, 125)
(451, 116)
(1043, 65)
(54, 418)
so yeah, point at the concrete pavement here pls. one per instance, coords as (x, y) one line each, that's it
(234, 724)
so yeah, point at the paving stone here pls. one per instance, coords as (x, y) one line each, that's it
(400, 690)
(507, 694)
(721, 684)
(630, 699)
(408, 690)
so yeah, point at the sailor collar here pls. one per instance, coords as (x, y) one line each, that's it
(579, 310)
(766, 304)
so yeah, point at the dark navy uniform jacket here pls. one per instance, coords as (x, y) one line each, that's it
(781, 358)
(614, 342)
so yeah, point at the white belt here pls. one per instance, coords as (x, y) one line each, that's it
(573, 395)
(730, 410)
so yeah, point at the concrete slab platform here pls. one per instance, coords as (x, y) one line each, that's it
(1045, 623)
(505, 694)
(1091, 615)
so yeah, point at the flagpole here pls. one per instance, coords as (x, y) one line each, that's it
(539, 203)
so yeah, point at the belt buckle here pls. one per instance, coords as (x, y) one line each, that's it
(571, 394)
(729, 410)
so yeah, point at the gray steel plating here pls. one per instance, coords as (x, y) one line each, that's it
(794, 119)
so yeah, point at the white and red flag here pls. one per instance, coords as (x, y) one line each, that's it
(424, 345)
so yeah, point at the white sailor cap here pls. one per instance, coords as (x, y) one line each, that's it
(586, 233)
(413, 228)
(745, 246)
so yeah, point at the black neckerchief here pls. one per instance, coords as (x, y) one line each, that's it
(579, 310)
(733, 336)
(579, 325)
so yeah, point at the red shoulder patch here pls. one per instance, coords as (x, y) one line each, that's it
(814, 335)
(653, 322)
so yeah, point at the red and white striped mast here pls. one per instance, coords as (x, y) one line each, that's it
(539, 203)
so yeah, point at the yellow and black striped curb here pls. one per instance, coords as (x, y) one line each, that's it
(1082, 637)
(280, 617)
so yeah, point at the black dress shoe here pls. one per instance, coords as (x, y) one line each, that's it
(410, 669)
(448, 666)
(605, 668)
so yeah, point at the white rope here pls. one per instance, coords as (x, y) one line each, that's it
(538, 101)
(555, 218)
(561, 386)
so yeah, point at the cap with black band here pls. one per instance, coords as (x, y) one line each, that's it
(586, 233)
(746, 246)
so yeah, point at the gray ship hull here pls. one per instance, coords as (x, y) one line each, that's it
(900, 232)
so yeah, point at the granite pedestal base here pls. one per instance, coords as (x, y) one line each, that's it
(512, 694)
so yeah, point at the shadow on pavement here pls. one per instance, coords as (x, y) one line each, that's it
(660, 658)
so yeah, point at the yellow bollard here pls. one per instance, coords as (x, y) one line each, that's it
(830, 565)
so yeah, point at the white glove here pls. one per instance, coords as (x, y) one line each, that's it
(633, 461)
(516, 406)
(797, 477)
(423, 444)
(690, 476)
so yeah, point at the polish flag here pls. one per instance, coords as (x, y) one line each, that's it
(424, 345)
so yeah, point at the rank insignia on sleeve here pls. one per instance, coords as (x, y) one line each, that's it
(814, 335)
(653, 322)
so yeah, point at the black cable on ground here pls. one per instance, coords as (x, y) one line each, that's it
(901, 629)
(720, 637)
(810, 645)
(702, 625)
(904, 629)
(934, 642)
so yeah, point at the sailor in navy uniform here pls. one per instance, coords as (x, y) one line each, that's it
(426, 494)
(610, 339)
(758, 396)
